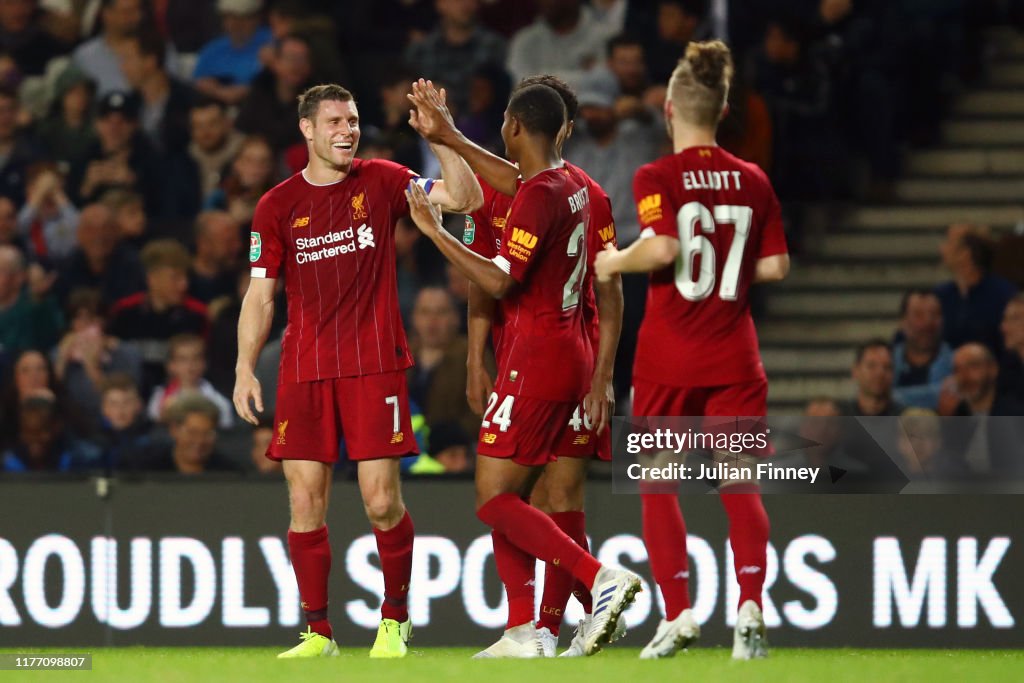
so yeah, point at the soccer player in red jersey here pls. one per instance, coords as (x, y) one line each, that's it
(329, 230)
(711, 227)
(559, 491)
(545, 362)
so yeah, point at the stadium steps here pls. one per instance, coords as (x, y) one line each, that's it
(971, 162)
(846, 287)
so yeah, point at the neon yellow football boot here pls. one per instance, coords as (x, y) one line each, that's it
(392, 639)
(312, 645)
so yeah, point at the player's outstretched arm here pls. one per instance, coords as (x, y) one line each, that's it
(253, 327)
(434, 122)
(643, 256)
(458, 190)
(482, 272)
(479, 384)
(771, 268)
(600, 402)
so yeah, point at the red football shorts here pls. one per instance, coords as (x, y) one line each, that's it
(745, 399)
(524, 429)
(371, 412)
(580, 440)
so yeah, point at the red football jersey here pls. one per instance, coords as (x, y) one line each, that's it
(485, 229)
(335, 246)
(697, 328)
(544, 351)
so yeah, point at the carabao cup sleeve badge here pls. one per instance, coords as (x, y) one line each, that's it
(255, 247)
(469, 232)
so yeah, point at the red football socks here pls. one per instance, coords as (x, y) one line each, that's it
(558, 583)
(395, 549)
(534, 532)
(516, 569)
(748, 535)
(311, 560)
(665, 537)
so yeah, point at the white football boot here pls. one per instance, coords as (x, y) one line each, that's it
(672, 636)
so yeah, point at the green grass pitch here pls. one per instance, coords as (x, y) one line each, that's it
(615, 665)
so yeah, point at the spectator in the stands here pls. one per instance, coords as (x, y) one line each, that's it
(677, 23)
(1011, 369)
(102, 261)
(17, 150)
(251, 174)
(921, 360)
(87, 355)
(29, 314)
(269, 109)
(192, 424)
(977, 382)
(165, 100)
(48, 222)
(451, 447)
(795, 80)
(151, 318)
(9, 233)
(24, 36)
(217, 258)
(611, 150)
(919, 443)
(438, 380)
(67, 132)
(481, 120)
(41, 443)
(565, 41)
(129, 215)
(186, 367)
(120, 157)
(873, 375)
(214, 143)
(99, 57)
(623, 75)
(125, 428)
(985, 444)
(453, 52)
(228, 64)
(395, 130)
(974, 300)
(261, 437)
(32, 376)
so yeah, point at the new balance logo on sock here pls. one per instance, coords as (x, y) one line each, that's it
(531, 582)
(749, 569)
(682, 575)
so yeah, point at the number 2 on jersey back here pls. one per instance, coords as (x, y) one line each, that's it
(577, 249)
(692, 242)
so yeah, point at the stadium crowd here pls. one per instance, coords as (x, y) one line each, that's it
(137, 136)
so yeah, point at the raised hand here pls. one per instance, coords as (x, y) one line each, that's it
(431, 117)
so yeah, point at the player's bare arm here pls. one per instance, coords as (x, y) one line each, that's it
(643, 256)
(484, 273)
(479, 383)
(771, 268)
(458, 191)
(432, 119)
(599, 403)
(253, 327)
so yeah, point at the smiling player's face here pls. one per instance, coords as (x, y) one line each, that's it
(335, 133)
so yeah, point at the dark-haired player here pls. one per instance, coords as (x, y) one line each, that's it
(560, 490)
(711, 227)
(330, 231)
(545, 362)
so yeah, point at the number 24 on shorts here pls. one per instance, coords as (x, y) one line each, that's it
(503, 415)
